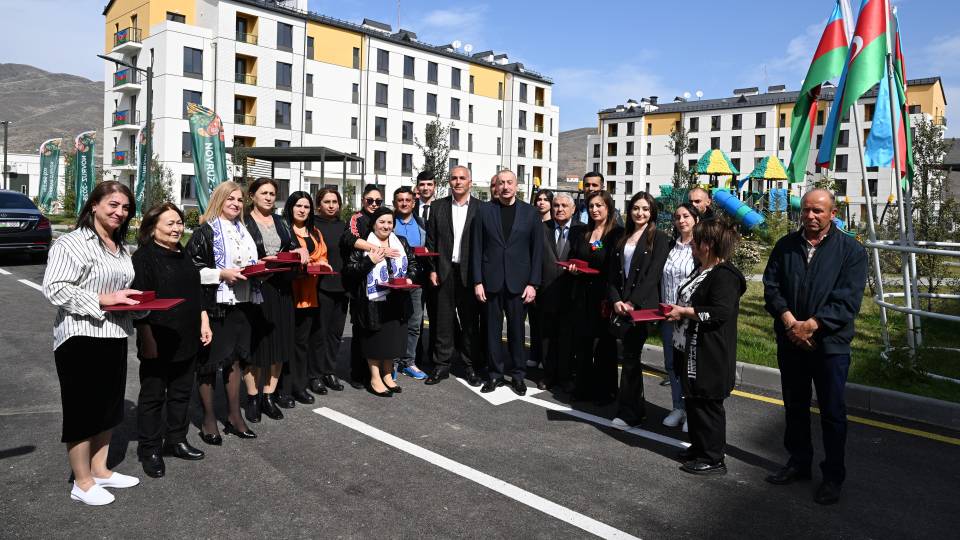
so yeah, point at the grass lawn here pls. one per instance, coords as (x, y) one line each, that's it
(757, 345)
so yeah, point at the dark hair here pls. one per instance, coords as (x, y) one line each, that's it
(255, 186)
(403, 189)
(611, 212)
(104, 189)
(323, 192)
(150, 219)
(593, 174)
(545, 192)
(292, 200)
(426, 176)
(631, 226)
(689, 208)
(719, 236)
(382, 211)
(371, 187)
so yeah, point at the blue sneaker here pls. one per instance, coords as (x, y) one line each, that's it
(415, 373)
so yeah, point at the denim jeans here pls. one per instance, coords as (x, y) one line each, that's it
(414, 327)
(666, 333)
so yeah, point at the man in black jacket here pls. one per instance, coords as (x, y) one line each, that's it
(813, 287)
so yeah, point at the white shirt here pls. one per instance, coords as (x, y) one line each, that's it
(678, 266)
(459, 214)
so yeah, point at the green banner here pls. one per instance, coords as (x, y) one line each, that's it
(209, 153)
(49, 169)
(84, 174)
(141, 186)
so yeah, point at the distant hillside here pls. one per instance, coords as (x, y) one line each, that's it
(573, 152)
(42, 105)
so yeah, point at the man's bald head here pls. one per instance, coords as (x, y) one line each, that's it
(820, 193)
(700, 198)
(817, 208)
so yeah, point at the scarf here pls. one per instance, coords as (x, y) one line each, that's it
(385, 269)
(234, 248)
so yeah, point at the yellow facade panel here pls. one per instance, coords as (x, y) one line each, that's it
(929, 97)
(334, 45)
(487, 82)
(124, 14)
(787, 110)
(159, 9)
(660, 124)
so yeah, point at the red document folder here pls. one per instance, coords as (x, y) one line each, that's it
(398, 284)
(582, 266)
(284, 259)
(262, 269)
(320, 270)
(148, 302)
(647, 315)
(422, 252)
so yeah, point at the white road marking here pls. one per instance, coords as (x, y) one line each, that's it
(4, 272)
(499, 396)
(31, 284)
(534, 501)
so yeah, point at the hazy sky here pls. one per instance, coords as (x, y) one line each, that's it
(599, 53)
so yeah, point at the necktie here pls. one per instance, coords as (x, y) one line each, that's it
(561, 241)
(426, 212)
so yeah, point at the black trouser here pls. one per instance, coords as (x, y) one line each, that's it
(333, 315)
(631, 406)
(457, 323)
(829, 374)
(513, 362)
(538, 349)
(307, 347)
(596, 364)
(707, 424)
(163, 385)
(556, 344)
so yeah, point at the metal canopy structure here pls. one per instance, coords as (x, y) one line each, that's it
(286, 154)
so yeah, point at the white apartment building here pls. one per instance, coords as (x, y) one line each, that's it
(23, 173)
(630, 148)
(279, 75)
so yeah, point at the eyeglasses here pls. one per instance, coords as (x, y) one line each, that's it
(373, 202)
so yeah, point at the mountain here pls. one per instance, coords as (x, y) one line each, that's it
(41, 105)
(573, 152)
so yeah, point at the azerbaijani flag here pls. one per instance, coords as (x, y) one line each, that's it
(827, 64)
(864, 68)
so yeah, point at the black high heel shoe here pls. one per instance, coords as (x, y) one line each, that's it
(386, 393)
(394, 389)
(230, 430)
(251, 410)
(269, 406)
(213, 439)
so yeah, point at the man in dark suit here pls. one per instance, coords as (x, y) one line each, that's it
(551, 309)
(505, 264)
(449, 231)
(426, 189)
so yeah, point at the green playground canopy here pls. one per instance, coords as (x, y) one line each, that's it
(716, 163)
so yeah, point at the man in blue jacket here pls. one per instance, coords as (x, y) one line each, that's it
(505, 264)
(813, 287)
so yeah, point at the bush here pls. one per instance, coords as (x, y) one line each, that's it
(749, 254)
(192, 220)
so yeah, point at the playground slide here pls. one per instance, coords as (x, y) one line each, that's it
(741, 212)
(842, 226)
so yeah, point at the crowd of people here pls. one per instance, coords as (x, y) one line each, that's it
(576, 270)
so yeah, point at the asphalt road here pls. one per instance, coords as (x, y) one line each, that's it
(518, 469)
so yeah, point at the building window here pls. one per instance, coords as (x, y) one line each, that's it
(820, 117)
(649, 149)
(432, 70)
(521, 174)
(469, 142)
(783, 120)
(186, 147)
(630, 128)
(612, 149)
(499, 146)
(192, 63)
(735, 161)
(455, 108)
(191, 96)
(380, 128)
(715, 123)
(738, 121)
(500, 90)
(781, 142)
(176, 17)
(455, 75)
(596, 150)
(406, 133)
(284, 36)
(408, 98)
(310, 48)
(523, 92)
(282, 117)
(914, 109)
(308, 122)
(628, 186)
(522, 122)
(735, 143)
(356, 58)
(694, 146)
(284, 76)
(454, 139)
(611, 169)
(840, 165)
(819, 140)
(380, 162)
(432, 104)
(761, 119)
(629, 169)
(354, 128)
(500, 119)
(471, 84)
(521, 147)
(469, 113)
(694, 125)
(355, 93)
(872, 186)
(281, 164)
(714, 143)
(759, 142)
(408, 67)
(840, 186)
(187, 189)
(650, 128)
(406, 163)
(452, 162)
(309, 89)
(596, 167)
(647, 169)
(381, 95)
(383, 61)
(844, 139)
(611, 130)
(629, 150)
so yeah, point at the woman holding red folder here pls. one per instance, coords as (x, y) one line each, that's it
(169, 341)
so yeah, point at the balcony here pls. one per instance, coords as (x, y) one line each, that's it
(246, 37)
(122, 159)
(245, 119)
(940, 121)
(126, 81)
(243, 78)
(127, 41)
(126, 120)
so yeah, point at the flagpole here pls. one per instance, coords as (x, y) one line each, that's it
(871, 227)
(895, 170)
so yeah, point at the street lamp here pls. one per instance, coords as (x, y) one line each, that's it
(149, 127)
(5, 123)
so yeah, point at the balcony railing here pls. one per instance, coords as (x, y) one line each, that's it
(246, 37)
(244, 78)
(538, 128)
(245, 119)
(125, 118)
(539, 102)
(122, 157)
(940, 121)
(126, 76)
(127, 35)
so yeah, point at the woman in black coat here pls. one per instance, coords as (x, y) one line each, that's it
(635, 270)
(379, 312)
(705, 343)
(330, 292)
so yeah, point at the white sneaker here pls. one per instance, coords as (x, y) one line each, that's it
(95, 496)
(675, 417)
(532, 363)
(620, 424)
(117, 480)
(684, 425)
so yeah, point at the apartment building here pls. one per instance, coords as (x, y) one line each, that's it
(631, 145)
(279, 75)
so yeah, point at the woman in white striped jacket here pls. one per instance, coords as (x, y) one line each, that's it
(88, 270)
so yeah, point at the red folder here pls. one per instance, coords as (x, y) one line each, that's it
(422, 252)
(262, 269)
(320, 270)
(647, 315)
(398, 284)
(284, 259)
(582, 266)
(157, 304)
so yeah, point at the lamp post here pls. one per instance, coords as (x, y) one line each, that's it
(149, 127)
(5, 124)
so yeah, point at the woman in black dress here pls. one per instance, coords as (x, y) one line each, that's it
(595, 352)
(273, 330)
(167, 341)
(330, 292)
(635, 270)
(381, 313)
(705, 343)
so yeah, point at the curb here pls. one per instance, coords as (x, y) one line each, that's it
(931, 411)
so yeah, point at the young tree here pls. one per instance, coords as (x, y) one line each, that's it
(436, 152)
(678, 145)
(160, 187)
